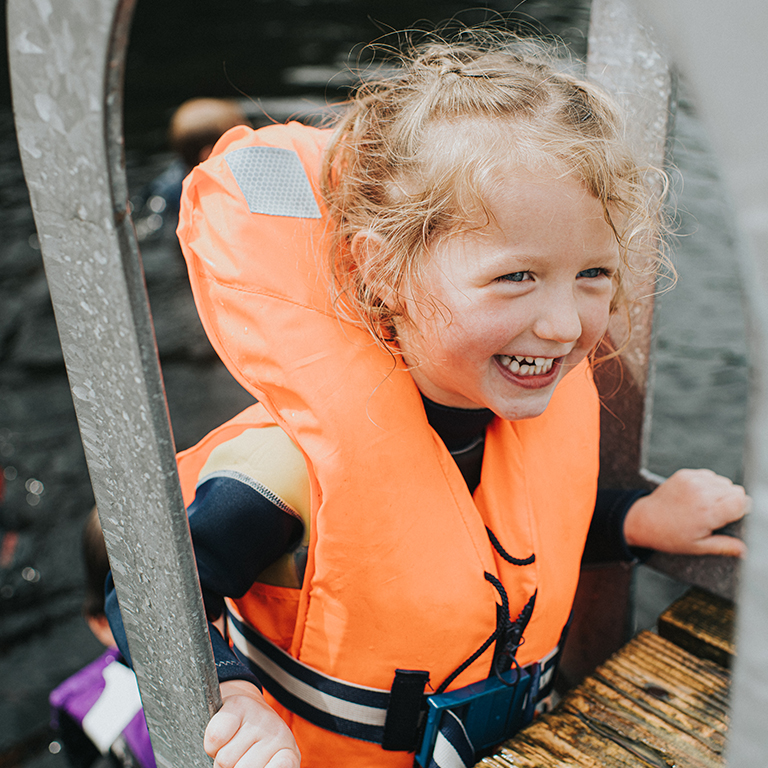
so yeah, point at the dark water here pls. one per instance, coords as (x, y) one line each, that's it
(272, 49)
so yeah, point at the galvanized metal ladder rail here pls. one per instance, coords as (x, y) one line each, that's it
(66, 64)
(67, 70)
(724, 56)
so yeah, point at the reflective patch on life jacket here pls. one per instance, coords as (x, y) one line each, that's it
(273, 182)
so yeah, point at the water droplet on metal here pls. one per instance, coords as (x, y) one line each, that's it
(54, 747)
(10, 473)
(6, 592)
(33, 499)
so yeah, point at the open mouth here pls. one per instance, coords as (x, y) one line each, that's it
(527, 366)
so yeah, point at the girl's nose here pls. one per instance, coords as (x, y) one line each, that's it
(558, 319)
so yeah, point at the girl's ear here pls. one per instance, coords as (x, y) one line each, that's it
(369, 252)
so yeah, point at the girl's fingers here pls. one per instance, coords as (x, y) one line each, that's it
(728, 546)
(285, 758)
(220, 731)
(236, 753)
(260, 755)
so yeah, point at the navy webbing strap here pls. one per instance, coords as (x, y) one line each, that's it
(452, 749)
(336, 705)
(390, 718)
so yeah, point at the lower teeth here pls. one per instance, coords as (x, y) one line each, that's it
(526, 369)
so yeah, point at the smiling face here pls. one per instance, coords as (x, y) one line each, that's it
(505, 311)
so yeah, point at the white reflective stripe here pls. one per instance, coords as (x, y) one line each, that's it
(358, 713)
(550, 655)
(233, 610)
(444, 754)
(545, 705)
(546, 674)
(114, 709)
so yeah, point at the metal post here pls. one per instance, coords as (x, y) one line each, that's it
(67, 61)
(624, 58)
(627, 58)
(724, 55)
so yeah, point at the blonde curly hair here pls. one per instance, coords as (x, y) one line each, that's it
(410, 159)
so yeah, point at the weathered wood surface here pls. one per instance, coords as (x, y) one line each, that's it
(652, 704)
(702, 624)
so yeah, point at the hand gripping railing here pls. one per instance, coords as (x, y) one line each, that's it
(66, 61)
(628, 58)
(722, 50)
(623, 57)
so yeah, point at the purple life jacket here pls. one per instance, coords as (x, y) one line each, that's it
(103, 700)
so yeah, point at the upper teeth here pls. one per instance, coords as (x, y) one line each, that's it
(527, 366)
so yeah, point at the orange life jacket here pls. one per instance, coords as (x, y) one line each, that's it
(398, 550)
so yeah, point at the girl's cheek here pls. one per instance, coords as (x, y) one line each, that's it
(596, 322)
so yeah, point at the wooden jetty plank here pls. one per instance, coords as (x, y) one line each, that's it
(662, 701)
(569, 737)
(702, 624)
(606, 709)
(531, 755)
(686, 664)
(650, 683)
(704, 687)
(652, 704)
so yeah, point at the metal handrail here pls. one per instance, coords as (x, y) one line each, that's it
(67, 59)
(628, 59)
(724, 56)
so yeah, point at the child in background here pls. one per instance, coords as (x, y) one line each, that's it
(415, 299)
(195, 127)
(97, 712)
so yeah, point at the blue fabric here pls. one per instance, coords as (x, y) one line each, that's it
(605, 540)
(236, 533)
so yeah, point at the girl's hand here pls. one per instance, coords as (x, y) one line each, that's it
(246, 732)
(682, 513)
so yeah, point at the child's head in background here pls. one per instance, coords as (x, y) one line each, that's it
(449, 182)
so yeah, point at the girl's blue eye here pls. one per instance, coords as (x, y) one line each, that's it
(515, 277)
(594, 272)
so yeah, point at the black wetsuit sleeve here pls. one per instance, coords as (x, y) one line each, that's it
(237, 532)
(605, 540)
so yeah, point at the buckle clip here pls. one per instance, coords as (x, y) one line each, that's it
(490, 711)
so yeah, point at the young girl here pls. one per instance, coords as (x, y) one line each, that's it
(414, 299)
